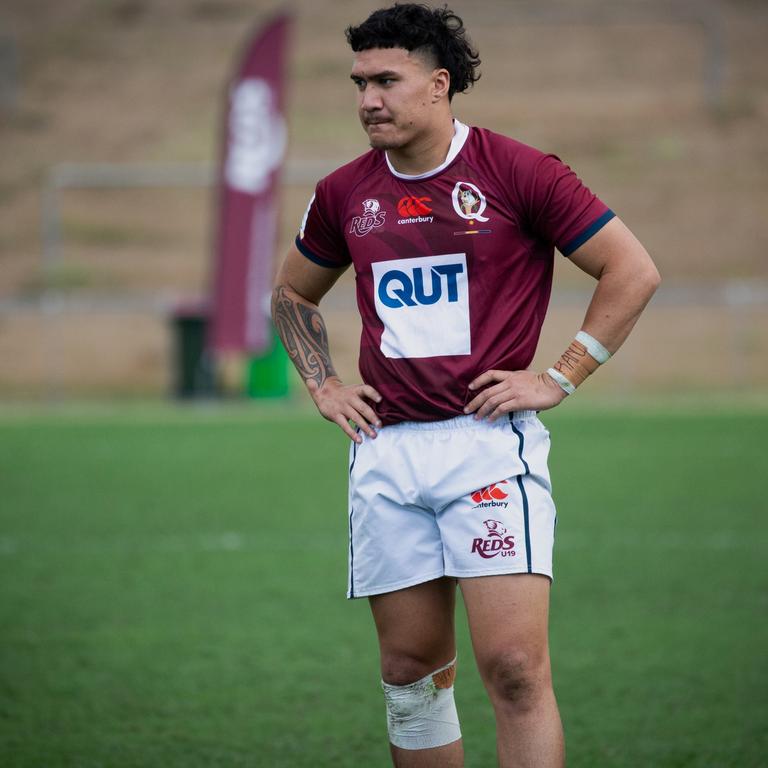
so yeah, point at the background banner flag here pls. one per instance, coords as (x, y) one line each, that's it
(253, 150)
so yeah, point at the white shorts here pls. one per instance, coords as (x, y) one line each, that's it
(449, 498)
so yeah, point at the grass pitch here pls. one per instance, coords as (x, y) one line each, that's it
(171, 593)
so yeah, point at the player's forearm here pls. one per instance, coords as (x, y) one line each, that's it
(302, 331)
(620, 297)
(625, 286)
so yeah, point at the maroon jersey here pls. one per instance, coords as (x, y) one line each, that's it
(454, 267)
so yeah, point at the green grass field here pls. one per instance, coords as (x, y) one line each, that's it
(172, 592)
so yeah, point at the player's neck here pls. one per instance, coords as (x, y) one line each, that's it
(425, 152)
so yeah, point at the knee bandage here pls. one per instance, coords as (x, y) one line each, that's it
(423, 714)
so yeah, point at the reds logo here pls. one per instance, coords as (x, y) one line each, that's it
(495, 542)
(372, 217)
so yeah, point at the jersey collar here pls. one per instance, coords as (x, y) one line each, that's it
(460, 134)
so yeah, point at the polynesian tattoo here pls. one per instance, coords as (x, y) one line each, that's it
(304, 336)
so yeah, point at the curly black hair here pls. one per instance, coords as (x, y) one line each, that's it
(415, 27)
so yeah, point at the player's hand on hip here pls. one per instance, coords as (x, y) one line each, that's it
(343, 404)
(507, 391)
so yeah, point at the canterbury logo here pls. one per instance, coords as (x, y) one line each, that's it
(414, 206)
(490, 493)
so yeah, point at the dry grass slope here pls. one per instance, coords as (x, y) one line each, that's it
(621, 97)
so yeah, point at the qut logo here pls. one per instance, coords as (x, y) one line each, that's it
(423, 304)
(420, 286)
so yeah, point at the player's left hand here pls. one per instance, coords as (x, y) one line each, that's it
(507, 391)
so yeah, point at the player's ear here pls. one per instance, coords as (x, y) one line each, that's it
(441, 82)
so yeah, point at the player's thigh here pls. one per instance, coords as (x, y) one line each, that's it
(415, 627)
(508, 621)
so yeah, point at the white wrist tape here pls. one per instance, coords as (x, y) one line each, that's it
(594, 347)
(566, 385)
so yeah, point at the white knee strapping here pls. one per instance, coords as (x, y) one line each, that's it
(423, 714)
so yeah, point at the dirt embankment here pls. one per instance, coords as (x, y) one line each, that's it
(623, 98)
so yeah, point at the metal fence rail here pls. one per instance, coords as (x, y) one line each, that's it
(735, 301)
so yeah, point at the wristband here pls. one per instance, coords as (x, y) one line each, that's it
(582, 358)
(566, 385)
(594, 347)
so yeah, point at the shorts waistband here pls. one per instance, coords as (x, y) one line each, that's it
(462, 422)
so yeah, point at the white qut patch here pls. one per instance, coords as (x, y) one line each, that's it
(424, 305)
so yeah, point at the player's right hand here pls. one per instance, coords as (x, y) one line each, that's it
(343, 404)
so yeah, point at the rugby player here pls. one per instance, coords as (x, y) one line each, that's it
(451, 231)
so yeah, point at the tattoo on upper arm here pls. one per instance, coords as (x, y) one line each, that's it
(304, 336)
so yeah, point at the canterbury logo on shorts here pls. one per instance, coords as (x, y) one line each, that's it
(424, 305)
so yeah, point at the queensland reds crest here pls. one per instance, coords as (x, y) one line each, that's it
(372, 217)
(495, 542)
(469, 202)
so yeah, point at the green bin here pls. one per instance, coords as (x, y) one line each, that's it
(267, 374)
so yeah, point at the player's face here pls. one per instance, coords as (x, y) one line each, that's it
(395, 90)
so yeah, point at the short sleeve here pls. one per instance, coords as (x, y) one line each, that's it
(320, 237)
(559, 207)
